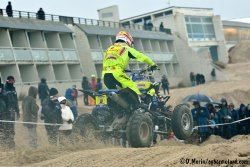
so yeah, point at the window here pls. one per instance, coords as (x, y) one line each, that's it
(105, 15)
(200, 28)
(158, 15)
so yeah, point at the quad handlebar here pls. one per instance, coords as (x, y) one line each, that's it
(150, 68)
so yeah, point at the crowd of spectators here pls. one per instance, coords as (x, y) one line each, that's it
(197, 79)
(94, 85)
(58, 112)
(221, 113)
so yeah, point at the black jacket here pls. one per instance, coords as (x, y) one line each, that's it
(10, 98)
(43, 90)
(51, 112)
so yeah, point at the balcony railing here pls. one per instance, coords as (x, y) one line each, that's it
(55, 55)
(70, 55)
(97, 56)
(40, 55)
(6, 54)
(23, 54)
(77, 20)
(37, 55)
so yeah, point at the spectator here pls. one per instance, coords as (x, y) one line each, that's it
(74, 94)
(99, 84)
(40, 14)
(248, 121)
(51, 113)
(43, 90)
(162, 27)
(198, 79)
(11, 101)
(217, 119)
(235, 117)
(150, 26)
(192, 78)
(1, 87)
(213, 74)
(212, 112)
(85, 86)
(93, 82)
(165, 84)
(69, 95)
(67, 118)
(201, 117)
(30, 112)
(202, 79)
(242, 115)
(2, 109)
(9, 10)
(226, 117)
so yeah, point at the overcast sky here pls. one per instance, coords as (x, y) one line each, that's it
(228, 9)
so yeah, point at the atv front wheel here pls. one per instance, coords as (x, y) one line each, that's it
(139, 130)
(182, 122)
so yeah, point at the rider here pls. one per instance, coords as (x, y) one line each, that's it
(116, 59)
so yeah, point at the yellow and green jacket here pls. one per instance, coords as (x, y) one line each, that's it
(118, 55)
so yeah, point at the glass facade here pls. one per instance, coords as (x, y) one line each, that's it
(200, 28)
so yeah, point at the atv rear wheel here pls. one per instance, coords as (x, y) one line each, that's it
(182, 122)
(139, 130)
(85, 126)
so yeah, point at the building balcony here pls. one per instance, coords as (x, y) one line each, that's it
(37, 55)
(6, 54)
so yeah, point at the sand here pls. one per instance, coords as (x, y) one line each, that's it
(240, 53)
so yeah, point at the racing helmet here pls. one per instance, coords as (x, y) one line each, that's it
(126, 37)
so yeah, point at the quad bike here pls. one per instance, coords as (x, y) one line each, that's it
(120, 114)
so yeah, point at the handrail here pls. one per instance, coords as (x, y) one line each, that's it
(77, 20)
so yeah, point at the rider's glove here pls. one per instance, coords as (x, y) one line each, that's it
(153, 67)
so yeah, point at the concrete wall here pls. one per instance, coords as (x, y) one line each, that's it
(222, 50)
(4, 38)
(52, 40)
(19, 38)
(84, 51)
(36, 39)
(190, 61)
(10, 69)
(67, 41)
(28, 72)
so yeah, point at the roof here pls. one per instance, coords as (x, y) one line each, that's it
(32, 24)
(235, 24)
(97, 30)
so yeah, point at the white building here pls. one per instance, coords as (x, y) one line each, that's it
(198, 36)
(62, 49)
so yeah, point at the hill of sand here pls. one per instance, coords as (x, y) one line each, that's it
(167, 153)
(240, 53)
